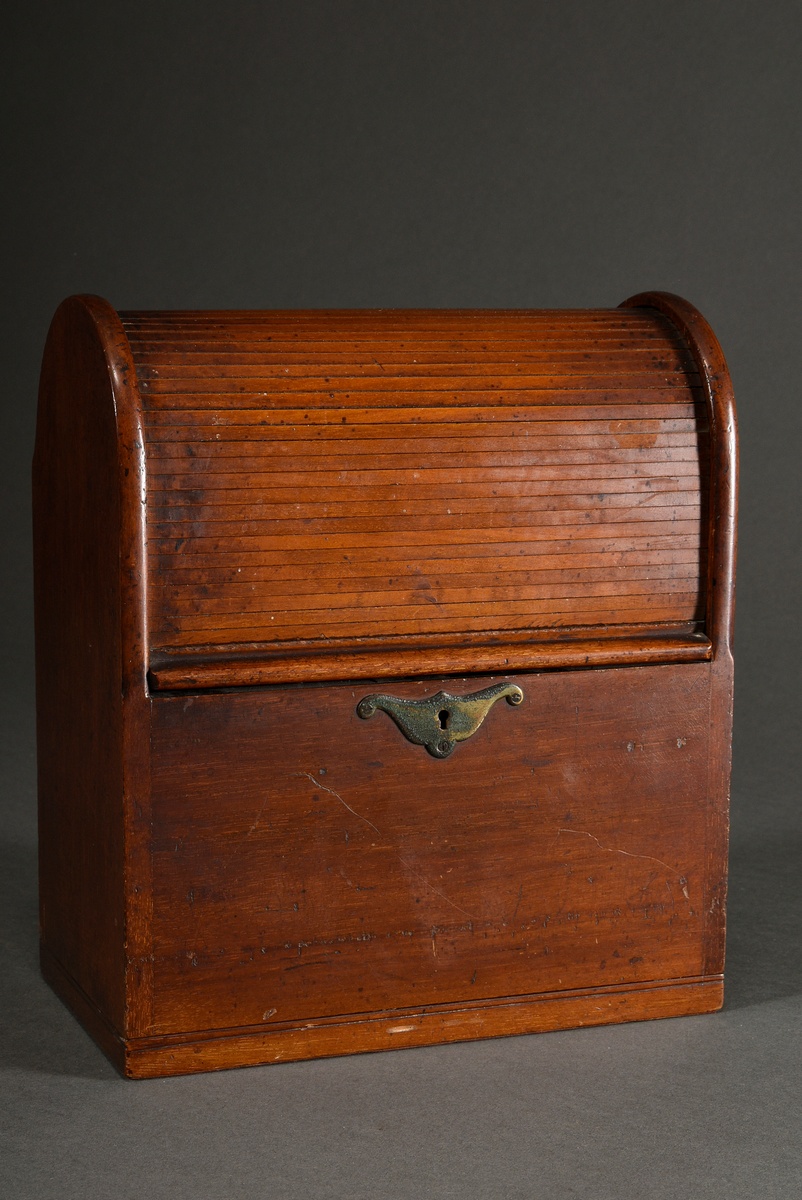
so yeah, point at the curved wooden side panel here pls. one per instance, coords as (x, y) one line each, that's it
(89, 579)
(720, 599)
(723, 507)
(133, 490)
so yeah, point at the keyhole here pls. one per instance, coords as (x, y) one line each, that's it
(442, 717)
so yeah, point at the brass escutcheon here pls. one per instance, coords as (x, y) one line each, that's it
(440, 721)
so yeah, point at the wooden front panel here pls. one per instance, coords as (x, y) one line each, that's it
(356, 477)
(307, 863)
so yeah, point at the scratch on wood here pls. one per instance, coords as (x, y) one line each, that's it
(432, 888)
(337, 796)
(629, 854)
(408, 865)
(258, 817)
(343, 875)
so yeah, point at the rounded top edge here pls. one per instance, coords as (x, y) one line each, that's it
(697, 332)
(722, 533)
(88, 390)
(109, 331)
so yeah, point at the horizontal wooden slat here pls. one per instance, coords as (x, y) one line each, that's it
(308, 606)
(261, 517)
(253, 397)
(441, 618)
(425, 323)
(188, 472)
(227, 503)
(614, 349)
(298, 664)
(426, 320)
(262, 481)
(269, 598)
(240, 381)
(591, 538)
(245, 533)
(497, 327)
(177, 360)
(623, 532)
(477, 416)
(210, 569)
(434, 434)
(272, 595)
(421, 624)
(517, 555)
(488, 447)
(626, 564)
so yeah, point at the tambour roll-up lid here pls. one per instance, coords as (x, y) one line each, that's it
(336, 495)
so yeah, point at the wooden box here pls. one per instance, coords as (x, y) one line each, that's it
(272, 548)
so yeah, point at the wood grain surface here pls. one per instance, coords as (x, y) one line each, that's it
(342, 478)
(307, 863)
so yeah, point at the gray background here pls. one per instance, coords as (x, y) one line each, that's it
(442, 153)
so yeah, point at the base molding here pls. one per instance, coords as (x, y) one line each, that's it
(81, 1006)
(182, 1054)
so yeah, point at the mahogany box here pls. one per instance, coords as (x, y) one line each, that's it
(384, 675)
